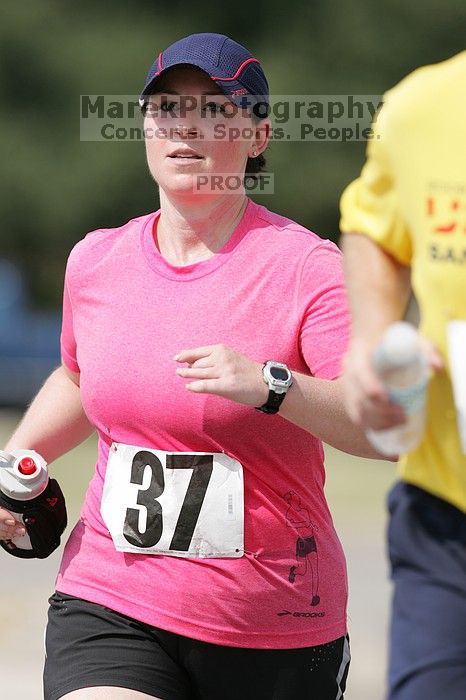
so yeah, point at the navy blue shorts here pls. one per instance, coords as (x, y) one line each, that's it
(427, 548)
(90, 645)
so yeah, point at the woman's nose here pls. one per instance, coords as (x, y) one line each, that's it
(185, 131)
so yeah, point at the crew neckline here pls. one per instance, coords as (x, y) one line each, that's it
(198, 269)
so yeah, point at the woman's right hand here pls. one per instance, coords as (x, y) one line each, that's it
(9, 527)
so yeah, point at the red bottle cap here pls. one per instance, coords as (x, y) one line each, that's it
(27, 466)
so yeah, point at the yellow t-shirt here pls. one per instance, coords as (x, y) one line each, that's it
(411, 199)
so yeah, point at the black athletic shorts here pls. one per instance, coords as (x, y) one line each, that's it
(90, 645)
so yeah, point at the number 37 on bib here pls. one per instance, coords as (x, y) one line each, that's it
(185, 504)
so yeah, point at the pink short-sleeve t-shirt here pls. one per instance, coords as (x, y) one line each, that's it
(274, 291)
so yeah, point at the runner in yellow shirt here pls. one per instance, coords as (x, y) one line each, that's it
(405, 225)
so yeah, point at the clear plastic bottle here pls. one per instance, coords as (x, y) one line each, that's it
(401, 365)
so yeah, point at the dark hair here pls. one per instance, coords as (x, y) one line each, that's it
(255, 166)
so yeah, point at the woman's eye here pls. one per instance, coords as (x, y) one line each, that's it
(167, 106)
(215, 108)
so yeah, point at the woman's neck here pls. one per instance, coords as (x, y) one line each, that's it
(188, 233)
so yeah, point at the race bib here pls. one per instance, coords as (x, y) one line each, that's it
(456, 335)
(183, 504)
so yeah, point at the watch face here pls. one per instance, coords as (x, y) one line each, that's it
(279, 373)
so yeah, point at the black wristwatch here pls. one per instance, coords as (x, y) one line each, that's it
(278, 378)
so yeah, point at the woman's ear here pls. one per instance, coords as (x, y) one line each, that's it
(262, 137)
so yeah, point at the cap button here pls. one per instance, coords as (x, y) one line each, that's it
(27, 466)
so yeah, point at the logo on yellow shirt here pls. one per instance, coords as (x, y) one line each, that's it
(445, 209)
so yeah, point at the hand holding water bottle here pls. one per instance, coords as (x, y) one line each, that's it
(401, 365)
(32, 506)
(385, 387)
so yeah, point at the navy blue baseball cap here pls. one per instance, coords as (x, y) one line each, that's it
(231, 66)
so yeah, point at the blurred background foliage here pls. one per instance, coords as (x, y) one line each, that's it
(55, 188)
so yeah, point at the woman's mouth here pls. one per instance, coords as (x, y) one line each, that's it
(185, 155)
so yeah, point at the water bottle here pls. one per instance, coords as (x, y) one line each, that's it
(401, 365)
(23, 477)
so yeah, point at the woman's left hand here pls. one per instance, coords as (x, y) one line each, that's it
(220, 370)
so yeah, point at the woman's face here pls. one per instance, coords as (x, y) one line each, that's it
(193, 132)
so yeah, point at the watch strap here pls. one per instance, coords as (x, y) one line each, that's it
(273, 403)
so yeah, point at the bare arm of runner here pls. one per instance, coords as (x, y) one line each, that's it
(316, 405)
(54, 423)
(379, 288)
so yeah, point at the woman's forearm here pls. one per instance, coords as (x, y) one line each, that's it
(55, 421)
(316, 405)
